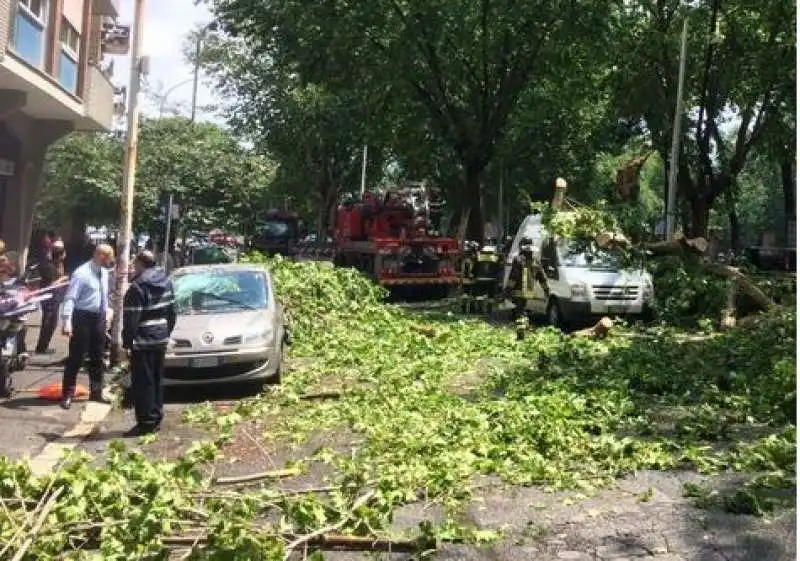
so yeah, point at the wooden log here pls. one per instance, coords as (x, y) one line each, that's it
(679, 244)
(599, 330)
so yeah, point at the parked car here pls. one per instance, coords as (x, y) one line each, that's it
(230, 326)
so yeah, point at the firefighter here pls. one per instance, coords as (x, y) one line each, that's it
(148, 320)
(435, 209)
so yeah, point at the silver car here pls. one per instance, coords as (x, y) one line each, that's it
(230, 327)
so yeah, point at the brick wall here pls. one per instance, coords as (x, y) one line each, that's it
(5, 25)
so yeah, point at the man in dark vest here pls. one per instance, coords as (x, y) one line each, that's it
(148, 320)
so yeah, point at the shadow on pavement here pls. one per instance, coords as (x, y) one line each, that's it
(217, 392)
(25, 402)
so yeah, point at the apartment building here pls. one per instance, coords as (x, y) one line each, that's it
(55, 78)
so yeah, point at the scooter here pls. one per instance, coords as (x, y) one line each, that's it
(13, 316)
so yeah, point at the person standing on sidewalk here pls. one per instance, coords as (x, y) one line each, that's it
(52, 272)
(86, 317)
(148, 320)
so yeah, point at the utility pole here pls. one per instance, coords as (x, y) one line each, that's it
(501, 223)
(364, 171)
(128, 180)
(167, 248)
(672, 187)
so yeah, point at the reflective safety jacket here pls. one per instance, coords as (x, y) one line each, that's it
(149, 311)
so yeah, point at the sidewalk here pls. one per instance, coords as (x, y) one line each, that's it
(28, 422)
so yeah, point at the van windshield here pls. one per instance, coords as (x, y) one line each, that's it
(573, 254)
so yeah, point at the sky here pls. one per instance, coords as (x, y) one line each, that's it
(166, 24)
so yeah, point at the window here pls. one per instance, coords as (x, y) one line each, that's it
(70, 38)
(220, 291)
(68, 60)
(28, 38)
(36, 8)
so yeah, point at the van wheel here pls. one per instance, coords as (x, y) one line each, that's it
(554, 316)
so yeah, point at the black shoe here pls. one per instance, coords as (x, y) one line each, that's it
(66, 402)
(141, 430)
(97, 397)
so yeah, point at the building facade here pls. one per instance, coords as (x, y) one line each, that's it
(55, 78)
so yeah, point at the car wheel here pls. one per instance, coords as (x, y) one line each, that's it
(276, 377)
(554, 316)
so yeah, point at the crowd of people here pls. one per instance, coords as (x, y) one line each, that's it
(82, 303)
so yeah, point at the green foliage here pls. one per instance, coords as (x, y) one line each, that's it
(83, 175)
(553, 410)
(215, 180)
(435, 405)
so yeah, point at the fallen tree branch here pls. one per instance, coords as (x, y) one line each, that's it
(321, 395)
(37, 526)
(330, 541)
(275, 474)
(305, 539)
(743, 283)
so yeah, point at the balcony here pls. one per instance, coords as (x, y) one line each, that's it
(98, 101)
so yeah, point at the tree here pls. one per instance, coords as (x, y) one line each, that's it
(463, 64)
(82, 183)
(217, 181)
(315, 135)
(740, 76)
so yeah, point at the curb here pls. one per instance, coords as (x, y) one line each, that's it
(53, 452)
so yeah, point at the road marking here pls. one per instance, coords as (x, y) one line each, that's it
(92, 415)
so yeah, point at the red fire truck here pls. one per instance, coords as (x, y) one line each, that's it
(391, 239)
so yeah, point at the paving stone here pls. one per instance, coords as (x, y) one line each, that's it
(574, 556)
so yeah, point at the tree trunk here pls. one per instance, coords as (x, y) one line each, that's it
(701, 208)
(472, 201)
(736, 230)
(787, 181)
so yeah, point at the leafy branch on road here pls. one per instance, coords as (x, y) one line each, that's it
(569, 413)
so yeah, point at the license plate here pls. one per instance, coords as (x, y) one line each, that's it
(617, 310)
(205, 362)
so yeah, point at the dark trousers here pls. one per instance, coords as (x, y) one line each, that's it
(49, 323)
(88, 336)
(147, 377)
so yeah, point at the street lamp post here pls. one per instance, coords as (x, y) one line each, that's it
(163, 97)
(198, 50)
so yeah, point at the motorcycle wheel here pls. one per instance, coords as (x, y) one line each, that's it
(5, 378)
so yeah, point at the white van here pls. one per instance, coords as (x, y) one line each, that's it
(582, 284)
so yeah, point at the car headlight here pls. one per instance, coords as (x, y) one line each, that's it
(578, 290)
(260, 336)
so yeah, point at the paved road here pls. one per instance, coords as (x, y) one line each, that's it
(28, 422)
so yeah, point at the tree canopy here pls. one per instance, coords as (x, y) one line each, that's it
(468, 92)
(216, 180)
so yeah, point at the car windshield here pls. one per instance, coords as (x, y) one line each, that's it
(275, 229)
(573, 254)
(219, 291)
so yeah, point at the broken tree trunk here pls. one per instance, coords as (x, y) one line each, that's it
(741, 282)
